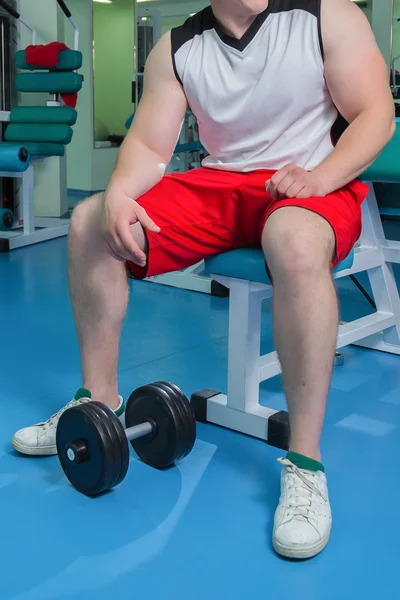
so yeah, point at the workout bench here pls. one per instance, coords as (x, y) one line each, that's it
(243, 272)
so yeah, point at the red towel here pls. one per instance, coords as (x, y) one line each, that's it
(47, 57)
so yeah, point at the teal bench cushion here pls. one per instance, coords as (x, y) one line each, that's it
(51, 83)
(68, 60)
(44, 149)
(39, 132)
(14, 157)
(44, 114)
(37, 149)
(249, 264)
(386, 168)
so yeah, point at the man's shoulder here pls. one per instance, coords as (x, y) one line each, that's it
(193, 26)
(337, 8)
(344, 23)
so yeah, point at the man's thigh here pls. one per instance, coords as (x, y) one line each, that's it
(325, 228)
(197, 213)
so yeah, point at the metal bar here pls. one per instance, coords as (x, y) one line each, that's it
(76, 36)
(139, 431)
(363, 291)
(354, 331)
(74, 24)
(243, 347)
(17, 16)
(64, 8)
(28, 202)
(252, 422)
(9, 9)
(31, 28)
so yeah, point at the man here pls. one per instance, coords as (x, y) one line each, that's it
(293, 104)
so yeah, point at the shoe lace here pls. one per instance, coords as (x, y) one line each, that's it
(301, 492)
(53, 421)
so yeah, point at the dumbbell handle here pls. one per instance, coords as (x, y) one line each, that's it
(78, 451)
(139, 431)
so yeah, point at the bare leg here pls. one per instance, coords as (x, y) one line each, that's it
(99, 295)
(299, 246)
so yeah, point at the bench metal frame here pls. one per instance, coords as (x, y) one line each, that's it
(240, 410)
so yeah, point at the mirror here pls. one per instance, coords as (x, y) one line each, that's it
(113, 64)
(124, 32)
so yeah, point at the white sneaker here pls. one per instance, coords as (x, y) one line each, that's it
(303, 519)
(40, 439)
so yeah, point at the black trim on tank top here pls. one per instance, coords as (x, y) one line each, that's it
(310, 6)
(250, 33)
(196, 25)
(338, 129)
(274, 7)
(205, 20)
(319, 17)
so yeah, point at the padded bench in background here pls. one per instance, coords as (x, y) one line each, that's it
(68, 60)
(39, 132)
(44, 114)
(51, 83)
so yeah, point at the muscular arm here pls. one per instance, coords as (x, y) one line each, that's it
(357, 79)
(154, 133)
(146, 150)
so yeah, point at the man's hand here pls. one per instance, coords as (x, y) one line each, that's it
(295, 182)
(119, 213)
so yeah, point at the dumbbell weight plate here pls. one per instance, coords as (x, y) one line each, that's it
(185, 429)
(122, 447)
(107, 458)
(184, 407)
(169, 442)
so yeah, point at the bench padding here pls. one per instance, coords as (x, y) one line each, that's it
(52, 83)
(44, 114)
(249, 264)
(68, 60)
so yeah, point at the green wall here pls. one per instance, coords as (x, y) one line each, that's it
(79, 152)
(169, 23)
(114, 28)
(396, 32)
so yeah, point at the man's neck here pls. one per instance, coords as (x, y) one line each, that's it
(234, 25)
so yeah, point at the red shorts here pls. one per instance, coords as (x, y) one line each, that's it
(205, 212)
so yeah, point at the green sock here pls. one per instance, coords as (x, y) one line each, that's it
(303, 462)
(82, 393)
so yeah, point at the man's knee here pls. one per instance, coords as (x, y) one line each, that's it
(298, 245)
(86, 218)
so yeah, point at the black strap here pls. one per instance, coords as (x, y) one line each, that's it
(64, 8)
(9, 9)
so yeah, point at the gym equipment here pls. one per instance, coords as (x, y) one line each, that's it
(14, 158)
(243, 272)
(6, 219)
(93, 447)
(42, 131)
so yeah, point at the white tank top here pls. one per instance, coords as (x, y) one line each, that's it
(261, 102)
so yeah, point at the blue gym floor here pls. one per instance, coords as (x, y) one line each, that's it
(202, 530)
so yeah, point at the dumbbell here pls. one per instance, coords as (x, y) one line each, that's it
(92, 443)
